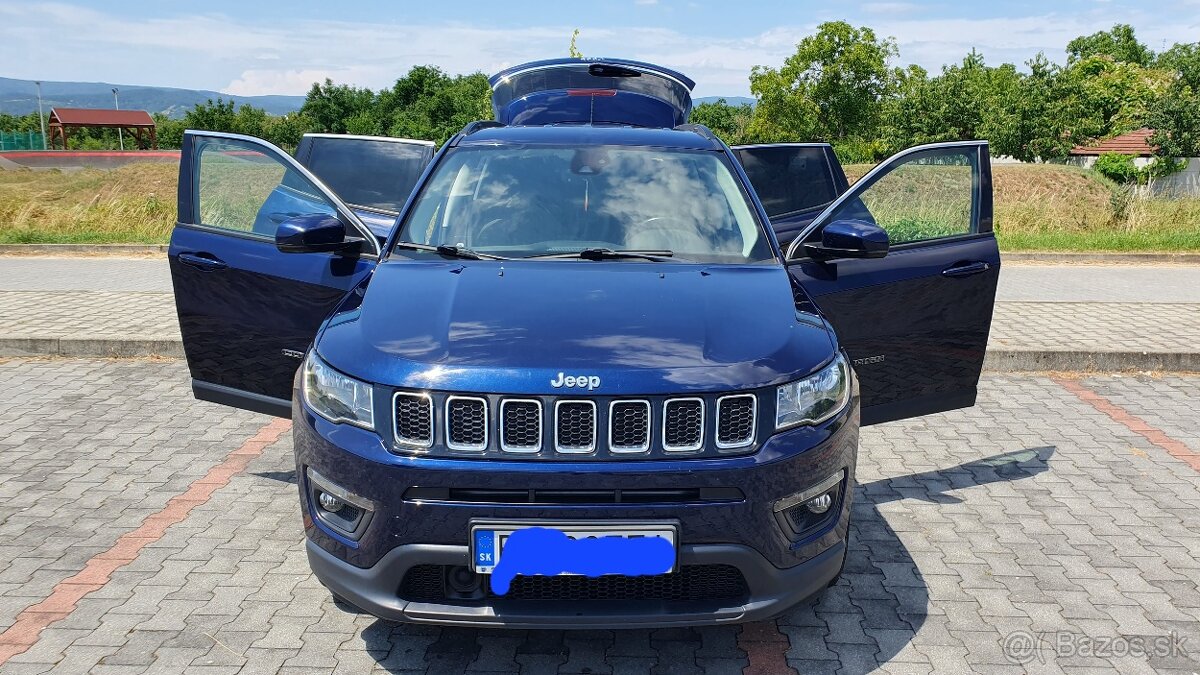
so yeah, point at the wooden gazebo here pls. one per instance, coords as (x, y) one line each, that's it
(138, 123)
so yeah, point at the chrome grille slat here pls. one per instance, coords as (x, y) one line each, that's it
(629, 424)
(521, 425)
(575, 427)
(466, 423)
(683, 424)
(737, 416)
(412, 419)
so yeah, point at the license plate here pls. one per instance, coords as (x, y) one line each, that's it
(489, 539)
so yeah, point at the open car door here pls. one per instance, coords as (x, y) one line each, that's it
(373, 175)
(247, 310)
(793, 181)
(914, 322)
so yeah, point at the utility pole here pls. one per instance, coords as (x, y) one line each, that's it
(41, 120)
(120, 135)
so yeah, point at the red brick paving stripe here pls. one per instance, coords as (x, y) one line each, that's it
(1132, 422)
(766, 649)
(23, 634)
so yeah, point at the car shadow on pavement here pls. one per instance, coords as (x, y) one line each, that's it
(864, 621)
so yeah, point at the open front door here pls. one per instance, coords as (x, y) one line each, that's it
(793, 181)
(915, 322)
(248, 311)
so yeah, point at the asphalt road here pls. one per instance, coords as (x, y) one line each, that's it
(1018, 282)
(1054, 527)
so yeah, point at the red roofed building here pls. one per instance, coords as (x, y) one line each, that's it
(138, 123)
(1136, 143)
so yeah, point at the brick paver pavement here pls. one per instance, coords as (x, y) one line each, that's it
(1035, 521)
(1068, 308)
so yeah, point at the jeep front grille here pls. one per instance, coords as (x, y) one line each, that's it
(629, 426)
(736, 420)
(581, 428)
(466, 423)
(413, 419)
(575, 427)
(520, 425)
(683, 424)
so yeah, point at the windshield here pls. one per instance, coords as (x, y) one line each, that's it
(539, 201)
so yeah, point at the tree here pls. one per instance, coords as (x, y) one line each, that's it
(1100, 97)
(572, 50)
(1119, 44)
(329, 106)
(727, 121)
(831, 87)
(1184, 60)
(1175, 118)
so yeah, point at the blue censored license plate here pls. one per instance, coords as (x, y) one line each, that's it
(590, 549)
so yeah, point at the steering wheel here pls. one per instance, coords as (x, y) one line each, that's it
(478, 236)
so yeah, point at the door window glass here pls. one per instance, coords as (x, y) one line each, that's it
(927, 195)
(370, 173)
(788, 178)
(241, 187)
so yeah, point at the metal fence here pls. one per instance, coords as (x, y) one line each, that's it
(20, 140)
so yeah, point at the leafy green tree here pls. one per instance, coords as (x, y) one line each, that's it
(1184, 60)
(831, 87)
(572, 50)
(1119, 44)
(330, 106)
(730, 122)
(1100, 97)
(1175, 118)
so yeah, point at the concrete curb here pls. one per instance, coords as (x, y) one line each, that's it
(997, 360)
(1017, 360)
(103, 347)
(1102, 258)
(83, 249)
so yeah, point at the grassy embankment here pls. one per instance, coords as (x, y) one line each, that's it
(1038, 207)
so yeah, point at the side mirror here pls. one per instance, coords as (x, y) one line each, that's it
(850, 239)
(312, 233)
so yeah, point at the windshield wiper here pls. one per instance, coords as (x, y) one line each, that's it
(449, 251)
(609, 254)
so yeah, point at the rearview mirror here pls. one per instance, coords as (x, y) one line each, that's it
(311, 233)
(850, 239)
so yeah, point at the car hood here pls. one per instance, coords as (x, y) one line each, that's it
(512, 327)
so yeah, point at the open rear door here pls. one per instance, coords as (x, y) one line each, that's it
(915, 323)
(374, 175)
(793, 181)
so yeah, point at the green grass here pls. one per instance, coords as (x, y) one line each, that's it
(1037, 208)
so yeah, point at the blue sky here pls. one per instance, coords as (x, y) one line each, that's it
(279, 47)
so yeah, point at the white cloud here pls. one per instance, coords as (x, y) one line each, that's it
(284, 56)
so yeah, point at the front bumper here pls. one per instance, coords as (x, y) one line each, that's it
(779, 568)
(772, 591)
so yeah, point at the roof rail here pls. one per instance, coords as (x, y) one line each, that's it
(698, 129)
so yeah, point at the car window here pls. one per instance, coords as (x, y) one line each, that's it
(371, 173)
(241, 188)
(929, 195)
(524, 201)
(788, 178)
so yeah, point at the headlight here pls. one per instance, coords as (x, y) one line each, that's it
(335, 396)
(815, 398)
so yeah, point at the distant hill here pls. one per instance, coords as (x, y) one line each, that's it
(731, 100)
(19, 97)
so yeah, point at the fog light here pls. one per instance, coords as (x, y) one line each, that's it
(810, 511)
(337, 508)
(330, 503)
(820, 504)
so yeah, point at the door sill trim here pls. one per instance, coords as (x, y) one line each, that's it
(238, 398)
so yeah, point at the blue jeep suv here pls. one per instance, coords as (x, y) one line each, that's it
(578, 382)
